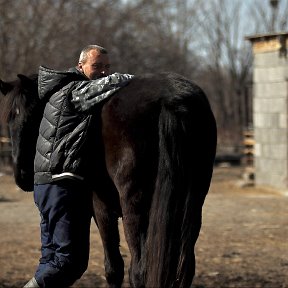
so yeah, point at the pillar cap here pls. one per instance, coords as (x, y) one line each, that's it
(262, 43)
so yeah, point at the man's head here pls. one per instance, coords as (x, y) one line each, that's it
(94, 62)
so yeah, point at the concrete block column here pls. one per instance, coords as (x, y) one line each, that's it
(270, 109)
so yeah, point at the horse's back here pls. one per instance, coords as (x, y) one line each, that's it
(137, 106)
(134, 110)
(130, 120)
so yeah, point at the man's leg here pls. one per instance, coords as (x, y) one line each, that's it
(65, 209)
(47, 249)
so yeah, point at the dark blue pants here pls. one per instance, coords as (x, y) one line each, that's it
(65, 208)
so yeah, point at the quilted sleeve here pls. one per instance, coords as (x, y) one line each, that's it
(88, 93)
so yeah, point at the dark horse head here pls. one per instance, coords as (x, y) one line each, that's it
(19, 103)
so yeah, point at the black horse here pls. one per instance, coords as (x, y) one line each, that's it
(156, 148)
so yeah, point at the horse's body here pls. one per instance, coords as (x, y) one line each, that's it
(156, 150)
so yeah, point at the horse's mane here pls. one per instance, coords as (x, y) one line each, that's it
(10, 101)
(15, 99)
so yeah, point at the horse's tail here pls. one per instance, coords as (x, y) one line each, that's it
(187, 142)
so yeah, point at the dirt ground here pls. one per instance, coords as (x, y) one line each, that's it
(243, 241)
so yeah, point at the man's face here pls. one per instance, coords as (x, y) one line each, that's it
(96, 65)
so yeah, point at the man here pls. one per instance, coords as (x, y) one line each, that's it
(94, 62)
(62, 163)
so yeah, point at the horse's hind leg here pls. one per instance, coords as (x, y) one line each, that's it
(132, 206)
(134, 184)
(134, 229)
(133, 201)
(107, 221)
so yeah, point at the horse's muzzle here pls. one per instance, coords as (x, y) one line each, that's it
(24, 180)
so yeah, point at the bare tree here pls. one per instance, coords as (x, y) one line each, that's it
(228, 61)
(203, 40)
(157, 35)
(49, 32)
(269, 15)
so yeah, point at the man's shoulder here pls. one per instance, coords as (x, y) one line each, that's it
(50, 80)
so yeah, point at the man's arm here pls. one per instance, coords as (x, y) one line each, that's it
(89, 93)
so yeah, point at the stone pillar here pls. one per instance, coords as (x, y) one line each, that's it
(270, 109)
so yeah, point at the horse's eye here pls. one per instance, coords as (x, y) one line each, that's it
(13, 114)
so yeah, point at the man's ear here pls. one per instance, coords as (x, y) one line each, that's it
(5, 87)
(80, 66)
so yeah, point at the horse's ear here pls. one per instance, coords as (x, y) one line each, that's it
(5, 87)
(24, 79)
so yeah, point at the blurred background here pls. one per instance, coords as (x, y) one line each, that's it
(202, 40)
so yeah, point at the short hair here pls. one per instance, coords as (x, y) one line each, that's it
(85, 50)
